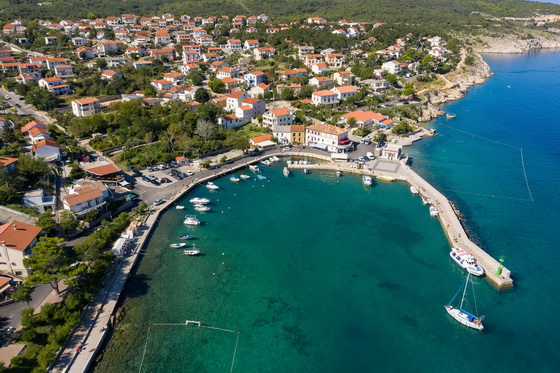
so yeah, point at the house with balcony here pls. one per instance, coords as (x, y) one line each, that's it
(85, 196)
(345, 91)
(325, 97)
(85, 106)
(64, 71)
(327, 137)
(254, 78)
(17, 240)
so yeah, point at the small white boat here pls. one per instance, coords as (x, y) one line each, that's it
(426, 200)
(201, 208)
(199, 201)
(286, 172)
(271, 160)
(245, 176)
(191, 252)
(177, 245)
(210, 185)
(385, 178)
(276, 159)
(338, 173)
(289, 163)
(266, 162)
(234, 178)
(306, 171)
(191, 220)
(461, 315)
(186, 236)
(254, 168)
(433, 211)
(179, 207)
(451, 116)
(413, 190)
(466, 261)
(367, 180)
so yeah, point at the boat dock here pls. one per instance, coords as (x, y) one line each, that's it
(448, 215)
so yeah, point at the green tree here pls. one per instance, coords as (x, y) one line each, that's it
(242, 143)
(401, 128)
(76, 172)
(49, 263)
(217, 86)
(42, 99)
(47, 222)
(101, 64)
(196, 77)
(409, 89)
(201, 95)
(287, 94)
(23, 294)
(306, 91)
(68, 221)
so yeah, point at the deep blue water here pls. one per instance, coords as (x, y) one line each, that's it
(319, 274)
(476, 160)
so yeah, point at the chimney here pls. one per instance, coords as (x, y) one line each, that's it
(15, 227)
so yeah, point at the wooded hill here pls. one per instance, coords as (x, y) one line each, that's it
(446, 13)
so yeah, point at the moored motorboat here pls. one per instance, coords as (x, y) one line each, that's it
(199, 201)
(254, 168)
(276, 159)
(210, 185)
(266, 162)
(426, 200)
(466, 261)
(191, 220)
(367, 180)
(338, 173)
(413, 190)
(261, 177)
(180, 207)
(306, 171)
(433, 211)
(191, 252)
(385, 178)
(177, 245)
(286, 172)
(463, 316)
(243, 176)
(201, 208)
(186, 236)
(234, 178)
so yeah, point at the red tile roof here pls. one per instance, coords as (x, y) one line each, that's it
(103, 170)
(17, 235)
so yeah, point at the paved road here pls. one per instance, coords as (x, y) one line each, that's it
(25, 110)
(10, 315)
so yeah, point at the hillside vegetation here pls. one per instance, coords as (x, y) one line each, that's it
(446, 13)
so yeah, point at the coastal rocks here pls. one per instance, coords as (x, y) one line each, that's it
(428, 112)
(514, 44)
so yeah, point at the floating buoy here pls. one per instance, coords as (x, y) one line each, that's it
(223, 253)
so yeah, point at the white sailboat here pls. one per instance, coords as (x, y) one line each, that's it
(461, 315)
(367, 180)
(286, 172)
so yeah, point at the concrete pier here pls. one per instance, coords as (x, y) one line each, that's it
(456, 234)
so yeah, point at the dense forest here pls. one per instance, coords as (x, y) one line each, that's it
(447, 13)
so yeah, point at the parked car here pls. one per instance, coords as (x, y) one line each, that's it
(189, 173)
(146, 179)
(165, 180)
(152, 177)
(158, 202)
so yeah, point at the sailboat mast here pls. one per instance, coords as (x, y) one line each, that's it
(465, 289)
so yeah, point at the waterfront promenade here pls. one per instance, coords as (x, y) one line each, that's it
(87, 340)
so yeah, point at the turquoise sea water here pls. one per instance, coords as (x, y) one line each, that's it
(320, 274)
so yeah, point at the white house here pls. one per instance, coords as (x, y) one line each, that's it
(234, 99)
(392, 67)
(162, 84)
(327, 137)
(325, 97)
(345, 92)
(85, 106)
(85, 196)
(17, 240)
(47, 149)
(254, 78)
(390, 151)
(37, 199)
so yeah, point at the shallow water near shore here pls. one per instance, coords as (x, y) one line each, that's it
(315, 273)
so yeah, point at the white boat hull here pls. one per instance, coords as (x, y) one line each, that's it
(463, 318)
(413, 190)
(472, 268)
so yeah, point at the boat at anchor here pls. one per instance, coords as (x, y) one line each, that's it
(460, 314)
